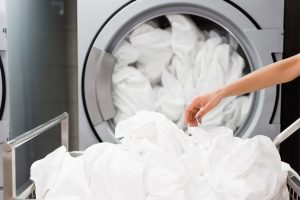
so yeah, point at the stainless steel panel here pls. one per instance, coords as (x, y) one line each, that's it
(266, 42)
(267, 13)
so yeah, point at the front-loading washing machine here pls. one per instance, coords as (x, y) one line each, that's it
(4, 109)
(4, 103)
(4, 117)
(256, 26)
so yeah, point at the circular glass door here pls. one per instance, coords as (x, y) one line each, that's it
(163, 63)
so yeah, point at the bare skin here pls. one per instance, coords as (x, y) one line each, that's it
(276, 73)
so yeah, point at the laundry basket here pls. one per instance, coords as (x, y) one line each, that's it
(28, 192)
(293, 185)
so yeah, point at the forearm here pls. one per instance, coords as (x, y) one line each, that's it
(275, 73)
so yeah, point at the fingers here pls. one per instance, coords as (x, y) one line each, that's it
(196, 110)
(194, 116)
(199, 107)
(199, 115)
(189, 115)
(203, 110)
(193, 122)
(191, 111)
(186, 116)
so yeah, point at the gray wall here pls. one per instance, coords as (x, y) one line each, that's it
(36, 60)
(42, 71)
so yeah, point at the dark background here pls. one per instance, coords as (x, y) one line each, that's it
(290, 149)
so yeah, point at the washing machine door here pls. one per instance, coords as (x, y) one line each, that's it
(97, 93)
(2, 88)
(257, 44)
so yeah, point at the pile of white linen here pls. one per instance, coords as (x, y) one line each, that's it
(163, 69)
(158, 161)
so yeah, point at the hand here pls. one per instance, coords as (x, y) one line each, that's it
(200, 106)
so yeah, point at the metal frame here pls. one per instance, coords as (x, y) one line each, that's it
(287, 132)
(9, 154)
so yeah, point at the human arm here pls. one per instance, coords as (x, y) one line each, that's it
(276, 73)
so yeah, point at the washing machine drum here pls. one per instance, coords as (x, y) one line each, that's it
(144, 55)
(2, 88)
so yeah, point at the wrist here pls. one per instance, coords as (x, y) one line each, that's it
(221, 92)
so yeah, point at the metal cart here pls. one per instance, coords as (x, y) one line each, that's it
(9, 161)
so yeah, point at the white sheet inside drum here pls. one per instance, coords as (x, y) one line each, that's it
(163, 67)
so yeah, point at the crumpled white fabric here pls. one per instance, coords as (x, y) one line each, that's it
(154, 45)
(127, 54)
(185, 36)
(45, 179)
(130, 87)
(170, 89)
(63, 198)
(60, 175)
(104, 171)
(241, 169)
(233, 114)
(175, 64)
(158, 161)
(113, 173)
